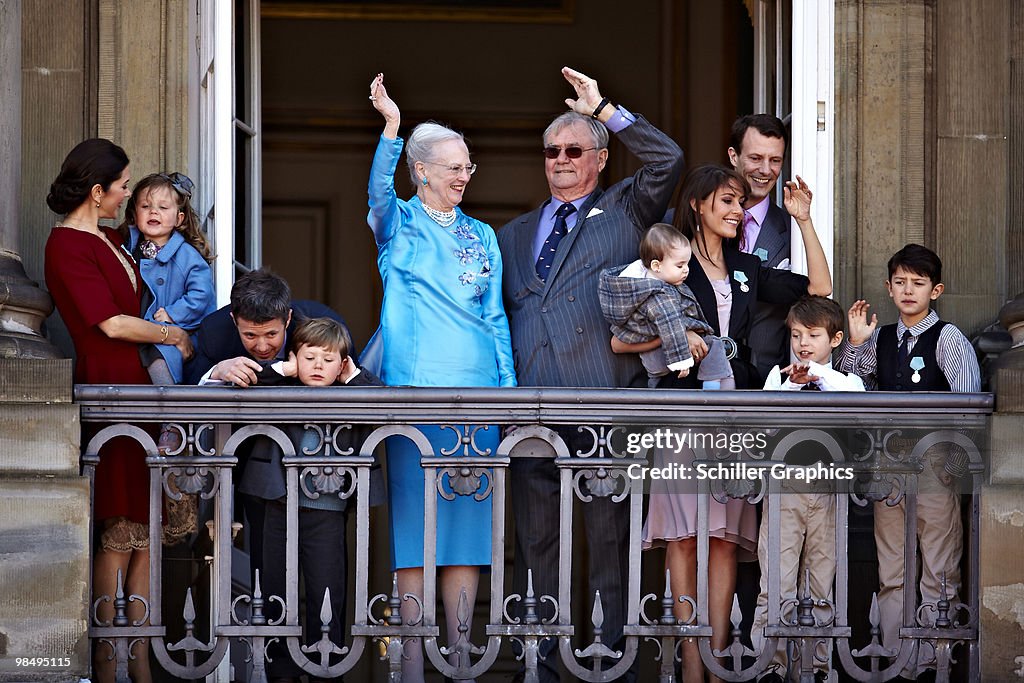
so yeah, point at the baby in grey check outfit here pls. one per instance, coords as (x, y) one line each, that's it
(648, 298)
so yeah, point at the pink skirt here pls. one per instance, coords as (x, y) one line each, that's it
(672, 513)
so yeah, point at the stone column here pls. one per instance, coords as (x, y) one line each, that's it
(44, 501)
(44, 524)
(23, 305)
(883, 155)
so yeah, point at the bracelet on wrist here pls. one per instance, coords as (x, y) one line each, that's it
(164, 331)
(601, 105)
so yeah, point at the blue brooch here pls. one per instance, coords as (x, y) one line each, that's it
(463, 232)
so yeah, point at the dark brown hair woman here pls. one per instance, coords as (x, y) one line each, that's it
(97, 288)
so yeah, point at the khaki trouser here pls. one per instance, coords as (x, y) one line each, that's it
(807, 535)
(940, 538)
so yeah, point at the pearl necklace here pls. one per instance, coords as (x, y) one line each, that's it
(442, 218)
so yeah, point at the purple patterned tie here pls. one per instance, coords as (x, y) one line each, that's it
(547, 251)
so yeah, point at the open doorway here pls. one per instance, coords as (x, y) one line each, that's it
(687, 66)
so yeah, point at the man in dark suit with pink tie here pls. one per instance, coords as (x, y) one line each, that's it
(757, 151)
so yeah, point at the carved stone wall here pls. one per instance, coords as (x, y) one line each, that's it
(926, 149)
(930, 116)
(971, 177)
(44, 524)
(882, 152)
(143, 82)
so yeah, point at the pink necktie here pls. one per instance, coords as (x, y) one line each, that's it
(747, 245)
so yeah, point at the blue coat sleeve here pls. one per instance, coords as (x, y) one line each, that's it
(494, 312)
(385, 215)
(197, 301)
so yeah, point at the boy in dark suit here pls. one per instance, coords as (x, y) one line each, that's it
(320, 358)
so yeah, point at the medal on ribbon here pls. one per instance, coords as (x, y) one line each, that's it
(916, 364)
(741, 277)
(761, 253)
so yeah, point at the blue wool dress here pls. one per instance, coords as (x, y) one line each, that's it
(442, 323)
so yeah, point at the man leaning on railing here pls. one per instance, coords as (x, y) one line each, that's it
(233, 345)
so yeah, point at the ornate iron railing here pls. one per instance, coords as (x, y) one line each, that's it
(858, 430)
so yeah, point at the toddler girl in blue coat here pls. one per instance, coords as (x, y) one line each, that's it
(163, 233)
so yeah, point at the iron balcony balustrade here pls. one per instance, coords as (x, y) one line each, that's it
(216, 421)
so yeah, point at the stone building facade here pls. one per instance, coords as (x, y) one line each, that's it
(929, 147)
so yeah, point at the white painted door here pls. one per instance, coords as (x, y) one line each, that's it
(228, 42)
(812, 132)
(793, 78)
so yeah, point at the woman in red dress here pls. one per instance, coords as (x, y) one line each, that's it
(97, 288)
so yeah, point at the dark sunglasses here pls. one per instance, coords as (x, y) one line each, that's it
(572, 151)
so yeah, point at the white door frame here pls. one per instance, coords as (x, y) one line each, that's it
(219, 125)
(812, 132)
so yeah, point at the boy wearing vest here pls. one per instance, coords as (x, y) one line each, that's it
(806, 513)
(918, 353)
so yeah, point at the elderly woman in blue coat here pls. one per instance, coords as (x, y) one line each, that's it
(442, 323)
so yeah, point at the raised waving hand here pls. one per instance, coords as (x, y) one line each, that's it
(860, 327)
(386, 106)
(588, 97)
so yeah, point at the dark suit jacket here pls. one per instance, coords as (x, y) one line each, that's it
(217, 337)
(559, 335)
(764, 285)
(774, 236)
(769, 337)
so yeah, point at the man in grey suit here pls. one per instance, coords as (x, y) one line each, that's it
(553, 257)
(758, 147)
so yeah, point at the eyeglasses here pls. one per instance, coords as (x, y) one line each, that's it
(572, 151)
(181, 183)
(456, 169)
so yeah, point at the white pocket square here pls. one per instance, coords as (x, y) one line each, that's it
(594, 212)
